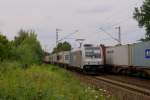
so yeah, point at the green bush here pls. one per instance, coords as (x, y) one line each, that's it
(28, 52)
(25, 48)
(44, 83)
(4, 48)
(28, 49)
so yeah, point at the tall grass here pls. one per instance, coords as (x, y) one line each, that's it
(44, 82)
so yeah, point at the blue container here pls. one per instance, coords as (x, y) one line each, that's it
(141, 54)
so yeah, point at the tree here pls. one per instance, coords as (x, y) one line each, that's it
(22, 35)
(4, 47)
(28, 48)
(65, 46)
(142, 15)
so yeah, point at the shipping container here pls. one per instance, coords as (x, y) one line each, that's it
(141, 55)
(118, 55)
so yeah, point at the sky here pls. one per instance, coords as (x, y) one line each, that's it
(86, 16)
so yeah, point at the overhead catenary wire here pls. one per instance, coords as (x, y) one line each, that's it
(107, 19)
(65, 37)
(104, 30)
(109, 34)
(120, 22)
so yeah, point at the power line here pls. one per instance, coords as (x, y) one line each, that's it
(117, 12)
(68, 35)
(119, 29)
(109, 34)
(122, 21)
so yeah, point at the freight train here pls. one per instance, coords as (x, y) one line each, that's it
(126, 59)
(88, 58)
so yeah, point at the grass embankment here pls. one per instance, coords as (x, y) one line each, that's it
(44, 82)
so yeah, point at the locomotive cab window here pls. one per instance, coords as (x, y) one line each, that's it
(92, 52)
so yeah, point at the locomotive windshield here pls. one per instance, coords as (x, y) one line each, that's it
(92, 52)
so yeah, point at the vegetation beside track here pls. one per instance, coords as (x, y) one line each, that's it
(42, 82)
(23, 77)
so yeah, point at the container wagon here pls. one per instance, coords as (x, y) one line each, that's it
(133, 58)
(118, 57)
(63, 58)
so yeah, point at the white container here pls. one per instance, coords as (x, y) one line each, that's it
(118, 55)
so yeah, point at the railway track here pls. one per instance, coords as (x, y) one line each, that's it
(131, 87)
(123, 90)
(132, 84)
(136, 81)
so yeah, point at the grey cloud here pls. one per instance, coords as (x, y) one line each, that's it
(44, 16)
(2, 24)
(100, 9)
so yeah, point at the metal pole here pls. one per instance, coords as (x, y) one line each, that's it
(119, 34)
(57, 37)
(119, 29)
(45, 48)
(80, 42)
